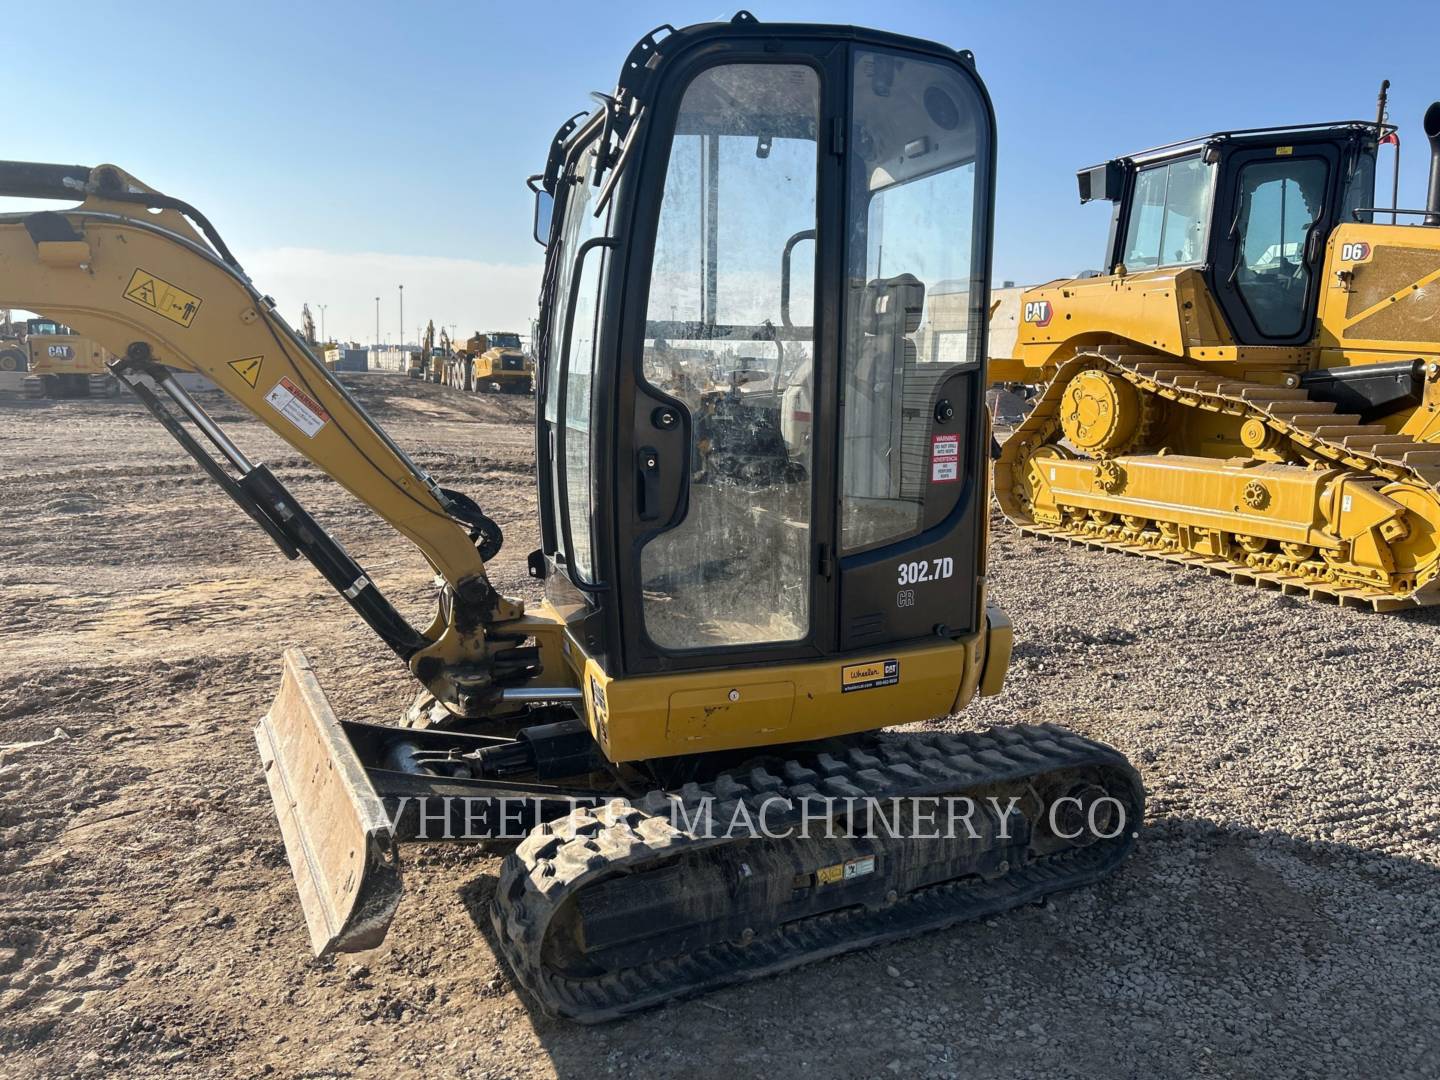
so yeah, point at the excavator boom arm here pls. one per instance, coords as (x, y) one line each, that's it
(128, 268)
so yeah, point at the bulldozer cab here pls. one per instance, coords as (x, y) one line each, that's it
(1250, 209)
(757, 442)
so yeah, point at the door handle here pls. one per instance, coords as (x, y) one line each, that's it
(647, 464)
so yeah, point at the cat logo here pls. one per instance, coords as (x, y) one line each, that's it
(1038, 312)
(1358, 251)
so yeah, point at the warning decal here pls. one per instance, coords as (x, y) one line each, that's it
(248, 369)
(944, 459)
(157, 294)
(867, 676)
(298, 407)
(846, 871)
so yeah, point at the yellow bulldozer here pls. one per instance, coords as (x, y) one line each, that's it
(682, 733)
(1253, 385)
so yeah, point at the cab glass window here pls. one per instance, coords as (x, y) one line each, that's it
(1169, 215)
(569, 399)
(729, 334)
(916, 281)
(1279, 202)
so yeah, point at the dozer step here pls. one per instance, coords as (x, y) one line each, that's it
(1290, 409)
(1337, 432)
(1171, 376)
(1384, 444)
(1342, 423)
(1262, 395)
(1197, 381)
(626, 907)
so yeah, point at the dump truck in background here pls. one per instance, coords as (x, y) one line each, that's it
(501, 366)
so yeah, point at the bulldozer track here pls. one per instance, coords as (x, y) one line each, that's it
(1315, 428)
(559, 860)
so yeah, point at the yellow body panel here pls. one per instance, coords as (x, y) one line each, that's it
(657, 716)
(1373, 310)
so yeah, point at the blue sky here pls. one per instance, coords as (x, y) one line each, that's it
(343, 149)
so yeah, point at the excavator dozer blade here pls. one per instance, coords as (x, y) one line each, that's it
(337, 834)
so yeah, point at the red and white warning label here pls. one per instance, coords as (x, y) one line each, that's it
(944, 459)
(298, 407)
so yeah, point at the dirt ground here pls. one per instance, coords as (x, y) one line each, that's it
(1281, 917)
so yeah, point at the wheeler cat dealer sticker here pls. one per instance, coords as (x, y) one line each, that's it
(867, 676)
(845, 871)
(298, 407)
(944, 459)
(248, 368)
(157, 294)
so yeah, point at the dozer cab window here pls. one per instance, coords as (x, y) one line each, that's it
(1279, 202)
(741, 179)
(1169, 215)
(917, 288)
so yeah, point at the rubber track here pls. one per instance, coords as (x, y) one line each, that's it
(1290, 412)
(557, 860)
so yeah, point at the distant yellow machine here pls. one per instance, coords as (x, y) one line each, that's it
(1254, 385)
(64, 364)
(502, 366)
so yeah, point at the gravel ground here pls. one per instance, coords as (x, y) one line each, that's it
(1281, 917)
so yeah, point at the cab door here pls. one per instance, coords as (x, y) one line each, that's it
(1277, 208)
(722, 523)
(799, 456)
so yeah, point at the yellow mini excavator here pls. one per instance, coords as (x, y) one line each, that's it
(684, 733)
(1254, 386)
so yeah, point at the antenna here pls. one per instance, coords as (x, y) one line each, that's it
(1381, 107)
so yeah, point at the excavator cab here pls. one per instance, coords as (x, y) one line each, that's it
(741, 234)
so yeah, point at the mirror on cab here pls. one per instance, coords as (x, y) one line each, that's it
(544, 208)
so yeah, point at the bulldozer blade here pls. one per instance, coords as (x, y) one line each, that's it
(338, 837)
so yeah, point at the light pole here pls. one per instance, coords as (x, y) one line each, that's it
(402, 316)
(377, 324)
(322, 308)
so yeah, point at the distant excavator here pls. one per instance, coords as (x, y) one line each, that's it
(1253, 386)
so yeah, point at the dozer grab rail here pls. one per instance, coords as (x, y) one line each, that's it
(130, 269)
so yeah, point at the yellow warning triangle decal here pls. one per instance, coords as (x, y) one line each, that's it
(144, 292)
(248, 369)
